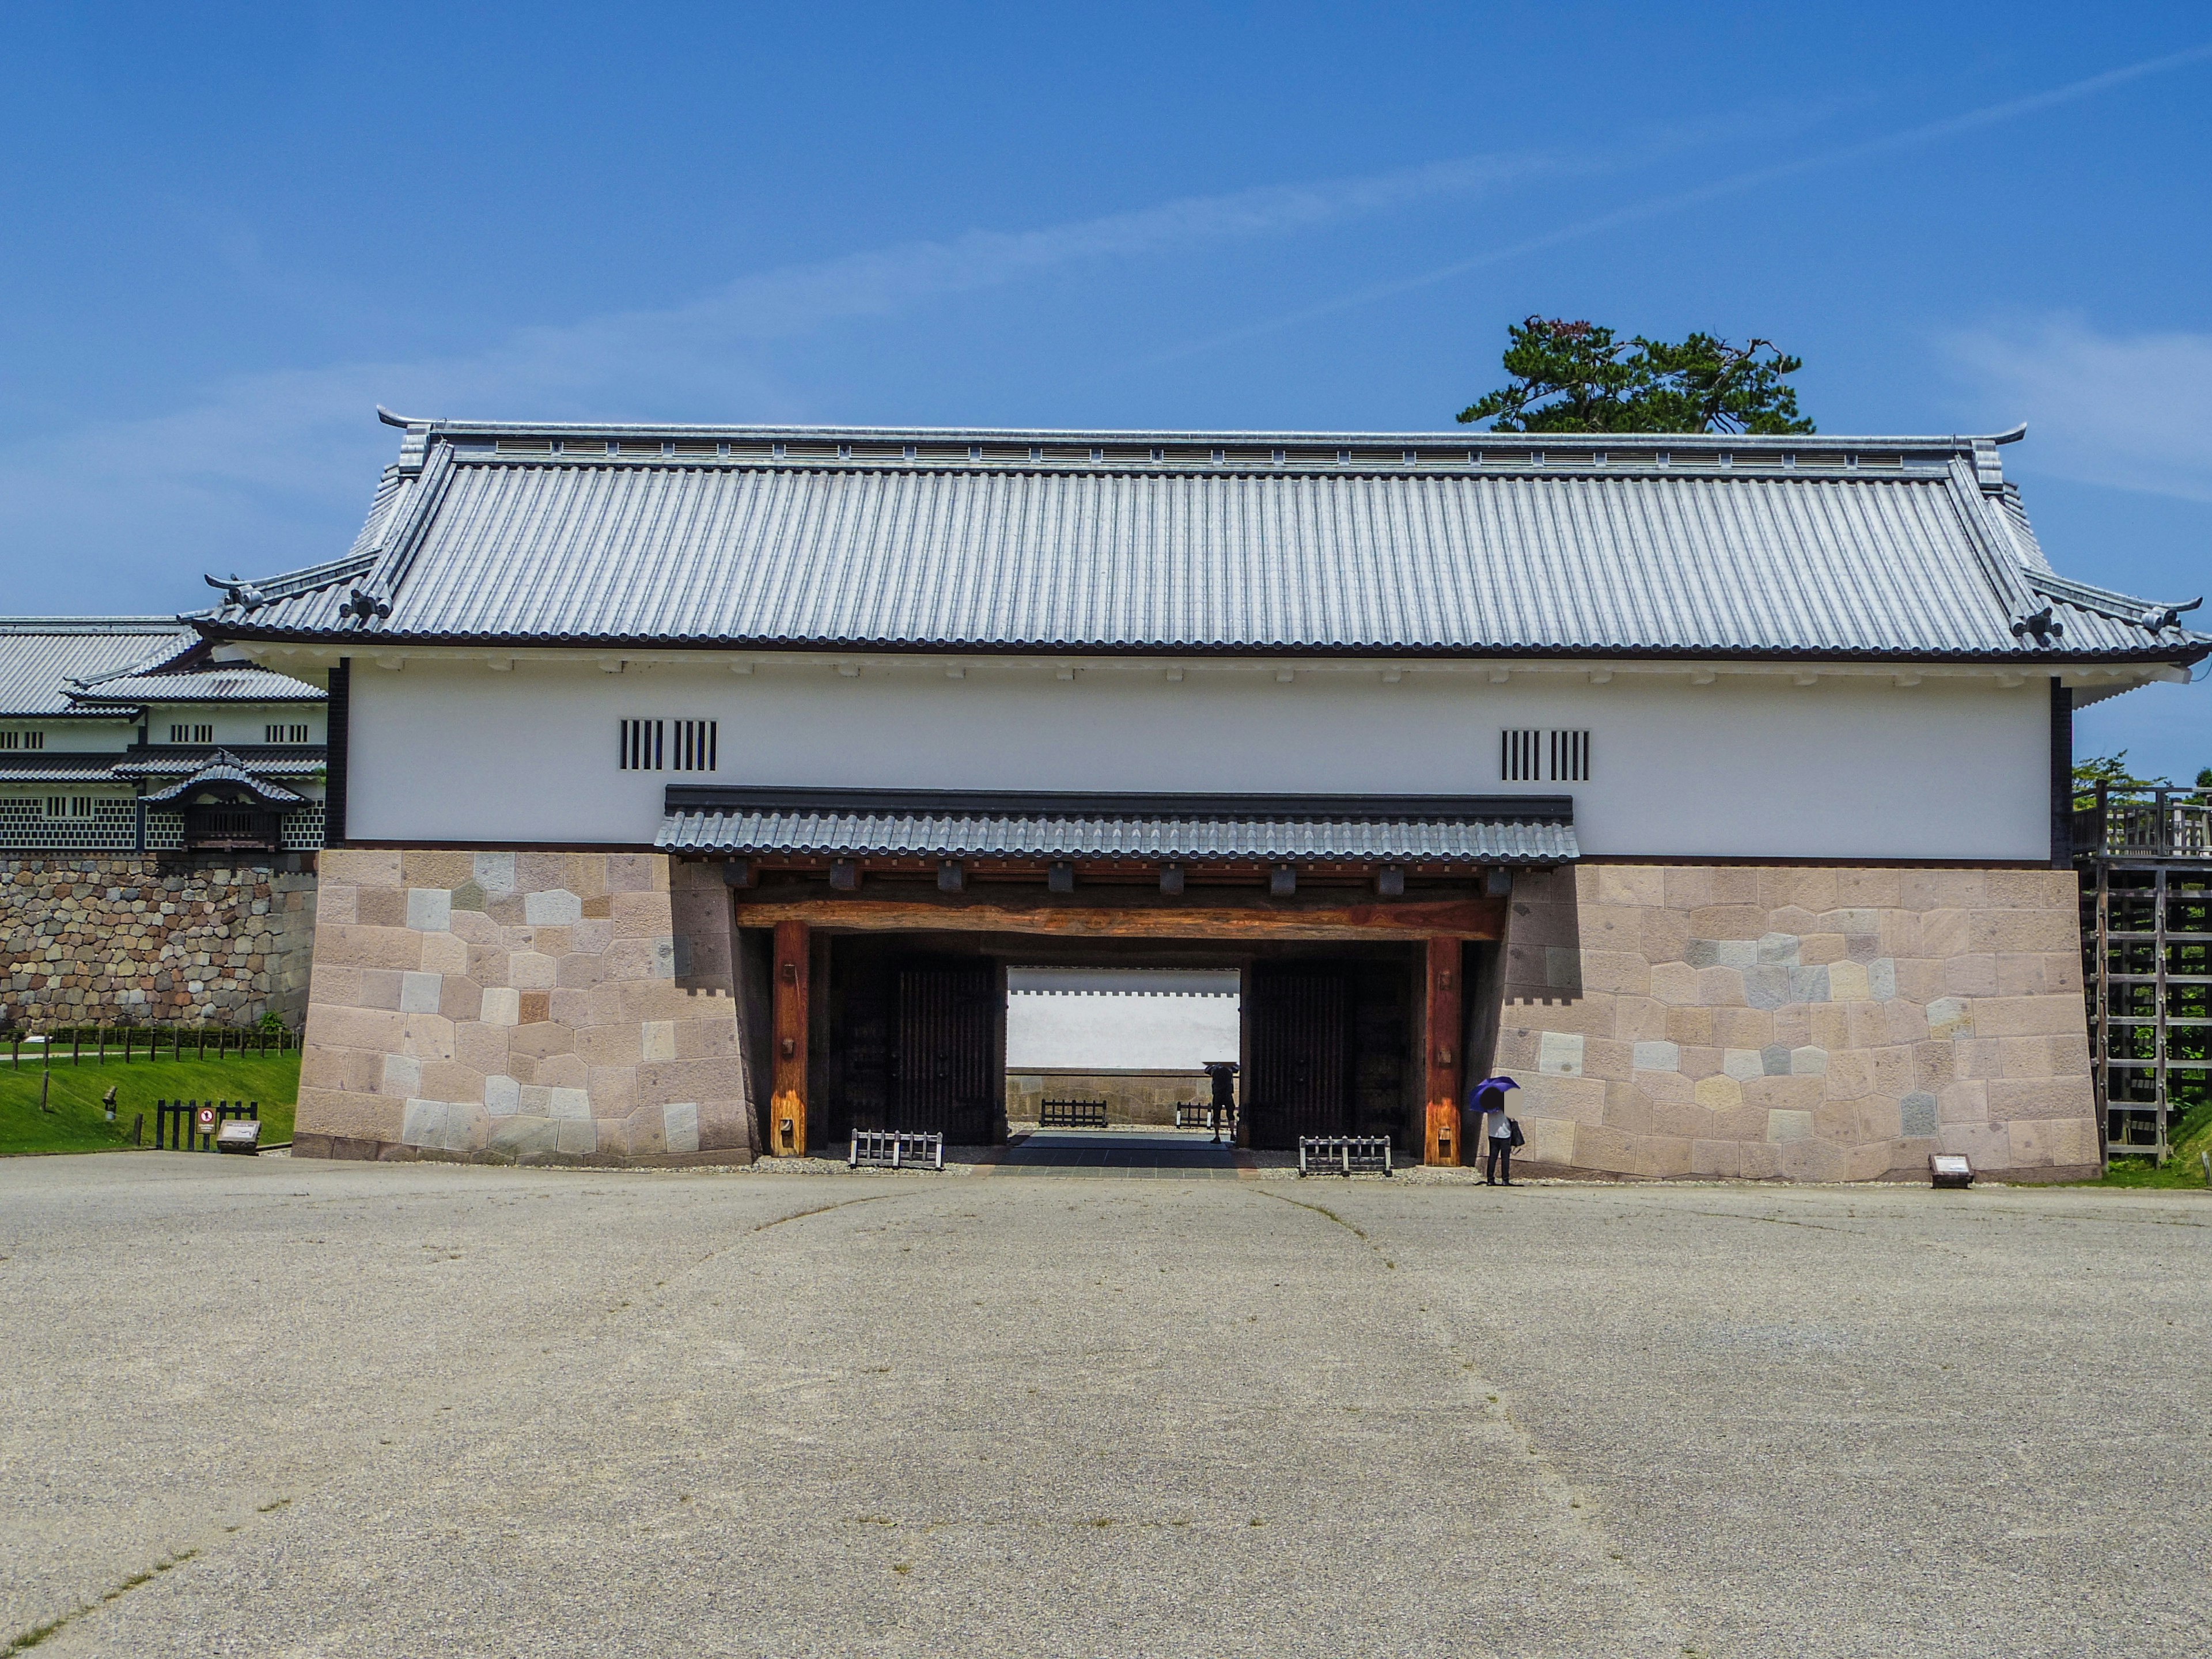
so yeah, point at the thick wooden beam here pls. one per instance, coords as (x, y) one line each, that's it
(1099, 918)
(1446, 1064)
(786, 1121)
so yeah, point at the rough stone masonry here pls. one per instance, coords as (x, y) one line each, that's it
(143, 939)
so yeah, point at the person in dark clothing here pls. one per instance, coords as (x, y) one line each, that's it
(1223, 1073)
(1500, 1132)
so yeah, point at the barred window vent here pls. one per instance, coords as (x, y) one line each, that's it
(1528, 755)
(22, 740)
(286, 733)
(187, 733)
(69, 806)
(670, 745)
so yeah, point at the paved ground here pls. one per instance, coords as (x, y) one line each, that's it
(416, 1410)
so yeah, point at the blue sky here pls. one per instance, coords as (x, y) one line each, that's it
(231, 232)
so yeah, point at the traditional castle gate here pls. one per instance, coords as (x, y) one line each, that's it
(882, 924)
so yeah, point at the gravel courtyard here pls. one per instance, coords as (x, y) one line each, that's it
(280, 1407)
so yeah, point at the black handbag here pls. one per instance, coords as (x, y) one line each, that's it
(1514, 1124)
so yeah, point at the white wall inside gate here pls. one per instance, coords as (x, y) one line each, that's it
(1128, 1026)
(1748, 766)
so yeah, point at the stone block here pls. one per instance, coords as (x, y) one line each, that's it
(637, 872)
(1757, 1161)
(618, 1045)
(1728, 921)
(1986, 1144)
(1847, 982)
(2074, 1140)
(2037, 1097)
(343, 1112)
(1809, 984)
(1742, 1027)
(535, 1007)
(576, 1138)
(1701, 1061)
(1691, 1028)
(460, 998)
(426, 1036)
(641, 958)
(2052, 930)
(1715, 1158)
(2029, 1142)
(1635, 1019)
(1785, 1126)
(424, 1123)
(563, 1070)
(402, 1076)
(1563, 967)
(1622, 972)
(1918, 1114)
(530, 970)
(1950, 1017)
(445, 953)
(502, 1005)
(1881, 979)
(380, 907)
(1970, 974)
(1665, 936)
(569, 1103)
(680, 1126)
(1808, 1061)
(1869, 1161)
(1798, 1094)
(1720, 988)
(1551, 1140)
(1869, 888)
(1769, 986)
(1717, 1093)
(554, 909)
(358, 866)
(502, 1097)
(1808, 1159)
(476, 928)
(429, 909)
(1669, 1090)
(335, 903)
(524, 1137)
(1743, 1063)
(419, 992)
(613, 1090)
(374, 1028)
(579, 970)
(1580, 1100)
(1657, 1057)
(1811, 890)
(2045, 1016)
(1627, 1109)
(360, 946)
(1673, 983)
(1602, 1057)
(659, 1041)
(1662, 1157)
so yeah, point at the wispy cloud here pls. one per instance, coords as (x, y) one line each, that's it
(250, 474)
(2130, 410)
(1737, 184)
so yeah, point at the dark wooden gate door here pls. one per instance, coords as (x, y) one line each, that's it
(945, 1067)
(1300, 1082)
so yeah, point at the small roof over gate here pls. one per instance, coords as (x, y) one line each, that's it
(1382, 829)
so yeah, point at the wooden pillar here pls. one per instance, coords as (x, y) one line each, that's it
(1446, 1022)
(787, 1116)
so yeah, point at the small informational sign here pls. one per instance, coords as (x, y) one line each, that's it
(240, 1135)
(1950, 1169)
(206, 1118)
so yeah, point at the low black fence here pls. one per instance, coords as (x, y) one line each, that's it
(1072, 1115)
(190, 1126)
(101, 1043)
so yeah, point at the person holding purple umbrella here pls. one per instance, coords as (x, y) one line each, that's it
(1500, 1132)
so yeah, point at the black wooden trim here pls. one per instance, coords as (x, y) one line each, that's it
(1362, 809)
(2061, 776)
(338, 729)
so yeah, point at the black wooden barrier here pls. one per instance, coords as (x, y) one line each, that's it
(174, 1122)
(1072, 1115)
(155, 1042)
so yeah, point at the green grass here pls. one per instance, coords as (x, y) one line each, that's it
(2183, 1167)
(78, 1123)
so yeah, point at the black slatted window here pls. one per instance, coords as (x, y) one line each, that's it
(670, 745)
(1570, 756)
(1520, 757)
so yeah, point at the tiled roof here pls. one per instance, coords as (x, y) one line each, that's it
(216, 683)
(41, 656)
(1159, 828)
(222, 767)
(1422, 544)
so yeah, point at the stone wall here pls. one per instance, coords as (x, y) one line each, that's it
(522, 1007)
(1810, 1025)
(116, 938)
(1131, 1095)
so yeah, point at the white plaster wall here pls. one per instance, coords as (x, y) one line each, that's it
(1118, 1032)
(1748, 767)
